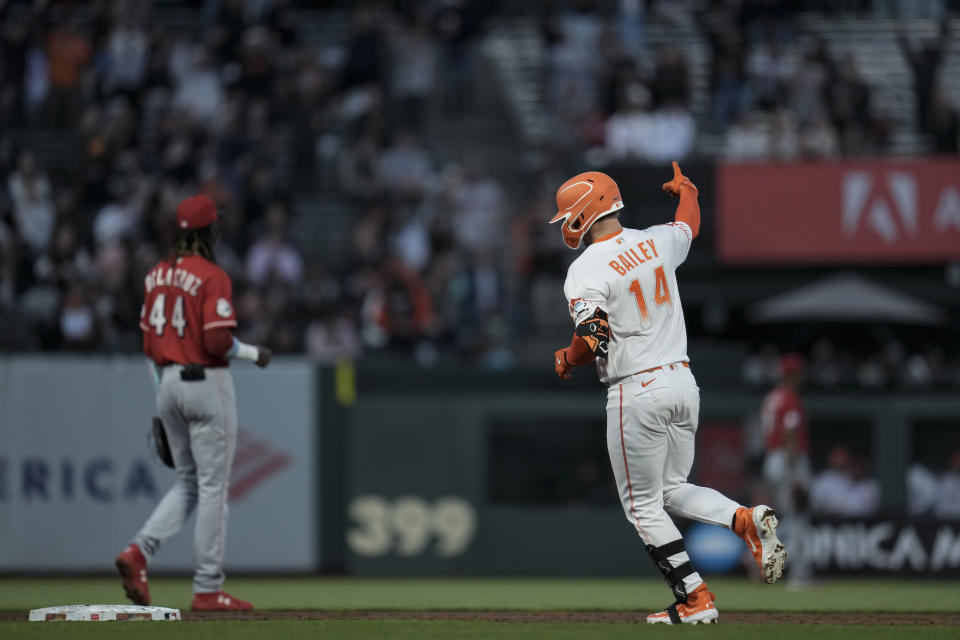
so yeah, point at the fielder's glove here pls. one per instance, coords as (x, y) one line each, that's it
(159, 443)
(263, 357)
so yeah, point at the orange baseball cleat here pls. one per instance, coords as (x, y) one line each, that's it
(758, 528)
(698, 609)
(133, 571)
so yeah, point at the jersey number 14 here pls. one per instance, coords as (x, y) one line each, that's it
(661, 296)
(158, 318)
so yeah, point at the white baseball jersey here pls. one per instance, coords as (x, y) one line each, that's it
(632, 277)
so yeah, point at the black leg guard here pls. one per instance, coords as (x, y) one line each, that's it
(673, 575)
(674, 616)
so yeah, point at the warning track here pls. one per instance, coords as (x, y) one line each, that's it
(757, 617)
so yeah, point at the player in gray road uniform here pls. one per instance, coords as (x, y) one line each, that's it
(187, 321)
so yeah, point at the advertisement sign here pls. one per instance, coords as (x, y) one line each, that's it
(885, 547)
(77, 480)
(895, 211)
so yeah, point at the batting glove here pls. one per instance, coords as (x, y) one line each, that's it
(561, 364)
(679, 180)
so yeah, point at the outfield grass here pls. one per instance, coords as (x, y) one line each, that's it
(405, 630)
(519, 594)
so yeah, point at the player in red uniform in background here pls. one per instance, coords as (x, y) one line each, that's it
(786, 466)
(187, 320)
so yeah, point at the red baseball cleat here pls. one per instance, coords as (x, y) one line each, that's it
(698, 609)
(133, 570)
(218, 601)
(758, 528)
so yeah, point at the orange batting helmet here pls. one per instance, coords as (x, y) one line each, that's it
(581, 201)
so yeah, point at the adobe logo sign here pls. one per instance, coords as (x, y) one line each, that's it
(889, 207)
(830, 213)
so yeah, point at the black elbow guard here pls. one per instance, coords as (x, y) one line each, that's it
(595, 331)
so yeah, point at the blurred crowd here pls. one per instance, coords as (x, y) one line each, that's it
(880, 365)
(844, 488)
(774, 91)
(122, 119)
(110, 118)
(136, 119)
(609, 91)
(936, 494)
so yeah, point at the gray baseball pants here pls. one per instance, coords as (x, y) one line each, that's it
(200, 418)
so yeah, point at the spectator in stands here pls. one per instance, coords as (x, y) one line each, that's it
(844, 489)
(273, 258)
(68, 52)
(818, 140)
(947, 504)
(78, 321)
(784, 137)
(127, 53)
(366, 49)
(32, 198)
(357, 167)
(922, 490)
(863, 498)
(455, 26)
(120, 217)
(199, 91)
(653, 136)
(14, 37)
(807, 83)
(944, 125)
(258, 71)
(405, 167)
(728, 70)
(848, 103)
(769, 71)
(398, 307)
(747, 139)
(7, 287)
(829, 488)
(670, 85)
(370, 235)
(332, 338)
(629, 24)
(479, 205)
(571, 66)
(410, 240)
(414, 72)
(925, 63)
(68, 260)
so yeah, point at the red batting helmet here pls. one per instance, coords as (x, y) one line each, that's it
(791, 363)
(581, 201)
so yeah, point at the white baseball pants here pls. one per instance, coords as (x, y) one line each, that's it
(652, 419)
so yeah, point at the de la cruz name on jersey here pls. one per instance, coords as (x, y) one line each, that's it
(181, 301)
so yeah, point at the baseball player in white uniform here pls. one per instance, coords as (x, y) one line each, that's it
(623, 296)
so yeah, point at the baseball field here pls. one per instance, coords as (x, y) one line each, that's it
(498, 608)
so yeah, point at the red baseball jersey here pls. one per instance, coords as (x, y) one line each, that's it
(180, 302)
(783, 412)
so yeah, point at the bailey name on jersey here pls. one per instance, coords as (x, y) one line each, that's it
(630, 258)
(170, 277)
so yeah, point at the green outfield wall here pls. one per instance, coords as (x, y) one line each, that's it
(425, 471)
(447, 472)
